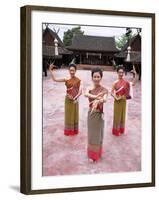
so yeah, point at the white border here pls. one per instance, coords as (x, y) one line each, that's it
(39, 182)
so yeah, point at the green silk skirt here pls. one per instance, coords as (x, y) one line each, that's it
(71, 117)
(119, 117)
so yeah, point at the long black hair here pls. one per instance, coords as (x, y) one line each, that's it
(72, 65)
(120, 67)
(97, 69)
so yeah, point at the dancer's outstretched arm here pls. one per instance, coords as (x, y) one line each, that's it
(104, 99)
(88, 95)
(135, 76)
(51, 69)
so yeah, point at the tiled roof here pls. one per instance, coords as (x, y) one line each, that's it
(93, 43)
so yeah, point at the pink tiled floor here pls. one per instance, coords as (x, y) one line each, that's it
(64, 155)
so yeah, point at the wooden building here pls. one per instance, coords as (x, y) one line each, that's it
(54, 50)
(93, 50)
(130, 54)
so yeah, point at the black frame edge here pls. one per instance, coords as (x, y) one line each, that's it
(25, 106)
(90, 11)
(153, 100)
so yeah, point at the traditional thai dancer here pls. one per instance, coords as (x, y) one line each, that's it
(121, 91)
(73, 91)
(97, 95)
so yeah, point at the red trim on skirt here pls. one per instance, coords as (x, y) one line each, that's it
(70, 132)
(122, 130)
(115, 132)
(94, 155)
(118, 132)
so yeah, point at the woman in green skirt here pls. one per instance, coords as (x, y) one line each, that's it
(121, 93)
(73, 91)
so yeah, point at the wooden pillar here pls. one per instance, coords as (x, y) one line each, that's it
(80, 58)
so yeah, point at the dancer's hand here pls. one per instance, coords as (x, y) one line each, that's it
(134, 70)
(70, 97)
(51, 67)
(75, 98)
(135, 76)
(118, 97)
(94, 105)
